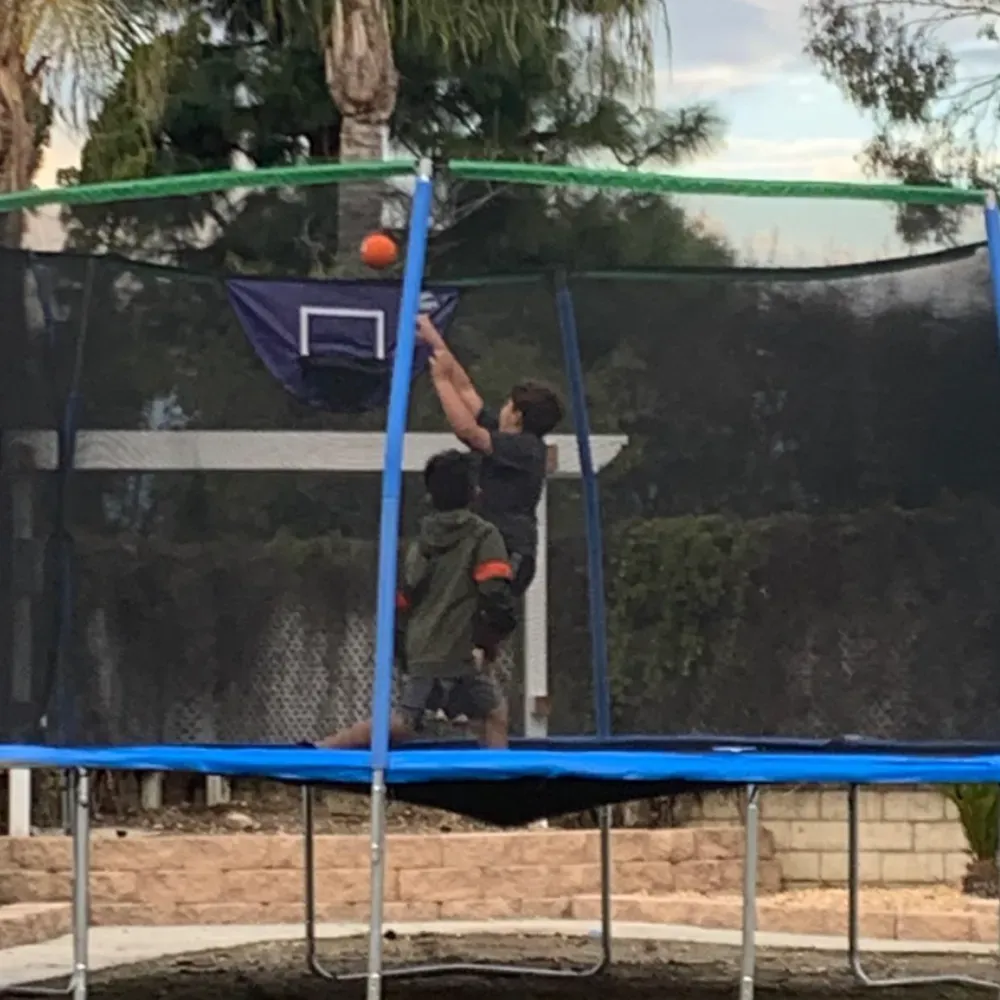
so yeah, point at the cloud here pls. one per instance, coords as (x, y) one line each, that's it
(718, 81)
(821, 158)
(729, 49)
(735, 32)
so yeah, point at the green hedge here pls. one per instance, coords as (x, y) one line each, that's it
(880, 622)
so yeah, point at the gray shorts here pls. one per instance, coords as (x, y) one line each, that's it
(474, 696)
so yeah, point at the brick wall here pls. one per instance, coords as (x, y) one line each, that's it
(670, 876)
(258, 878)
(908, 835)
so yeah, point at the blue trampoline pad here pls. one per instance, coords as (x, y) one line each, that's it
(532, 780)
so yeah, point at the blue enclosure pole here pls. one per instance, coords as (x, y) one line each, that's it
(993, 245)
(591, 509)
(388, 554)
(595, 577)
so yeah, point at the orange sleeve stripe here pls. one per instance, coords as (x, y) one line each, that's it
(402, 602)
(493, 569)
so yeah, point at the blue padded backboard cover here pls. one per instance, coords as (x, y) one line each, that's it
(332, 343)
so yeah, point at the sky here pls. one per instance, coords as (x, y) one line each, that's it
(783, 121)
(745, 57)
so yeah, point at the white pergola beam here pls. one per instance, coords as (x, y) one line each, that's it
(264, 451)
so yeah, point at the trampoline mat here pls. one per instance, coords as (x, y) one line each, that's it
(536, 779)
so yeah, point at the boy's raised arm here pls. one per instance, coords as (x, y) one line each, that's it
(461, 419)
(458, 376)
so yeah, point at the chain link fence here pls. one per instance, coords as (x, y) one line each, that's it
(297, 681)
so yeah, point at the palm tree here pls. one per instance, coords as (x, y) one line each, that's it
(361, 70)
(357, 38)
(62, 54)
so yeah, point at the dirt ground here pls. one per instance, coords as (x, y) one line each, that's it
(642, 971)
(277, 809)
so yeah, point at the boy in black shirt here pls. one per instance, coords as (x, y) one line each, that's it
(512, 446)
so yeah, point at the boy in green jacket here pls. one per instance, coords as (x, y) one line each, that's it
(456, 597)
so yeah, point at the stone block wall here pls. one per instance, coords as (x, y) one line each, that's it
(258, 878)
(909, 836)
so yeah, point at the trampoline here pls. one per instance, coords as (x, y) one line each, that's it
(44, 725)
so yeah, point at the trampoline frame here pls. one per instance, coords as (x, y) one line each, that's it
(77, 984)
(452, 968)
(854, 955)
(854, 916)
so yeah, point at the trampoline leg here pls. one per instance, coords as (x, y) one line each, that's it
(309, 869)
(66, 802)
(375, 920)
(81, 885)
(854, 919)
(605, 835)
(853, 887)
(79, 823)
(748, 958)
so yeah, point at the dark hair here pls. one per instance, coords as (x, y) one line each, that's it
(539, 404)
(449, 480)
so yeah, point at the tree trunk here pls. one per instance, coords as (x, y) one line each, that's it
(363, 81)
(24, 122)
(359, 205)
(23, 129)
(981, 879)
(16, 142)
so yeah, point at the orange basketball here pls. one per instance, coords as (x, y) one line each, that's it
(379, 251)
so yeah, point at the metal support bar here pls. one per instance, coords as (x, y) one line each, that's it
(748, 958)
(854, 918)
(77, 984)
(451, 968)
(81, 886)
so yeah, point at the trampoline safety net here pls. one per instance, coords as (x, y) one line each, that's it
(802, 531)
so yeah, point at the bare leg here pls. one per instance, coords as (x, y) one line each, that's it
(359, 736)
(495, 727)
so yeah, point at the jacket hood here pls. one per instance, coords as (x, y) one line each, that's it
(442, 531)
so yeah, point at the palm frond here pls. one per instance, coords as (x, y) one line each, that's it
(85, 45)
(623, 30)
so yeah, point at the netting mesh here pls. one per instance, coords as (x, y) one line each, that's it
(210, 632)
(193, 627)
(802, 530)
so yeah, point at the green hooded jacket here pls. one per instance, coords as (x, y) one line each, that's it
(456, 594)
